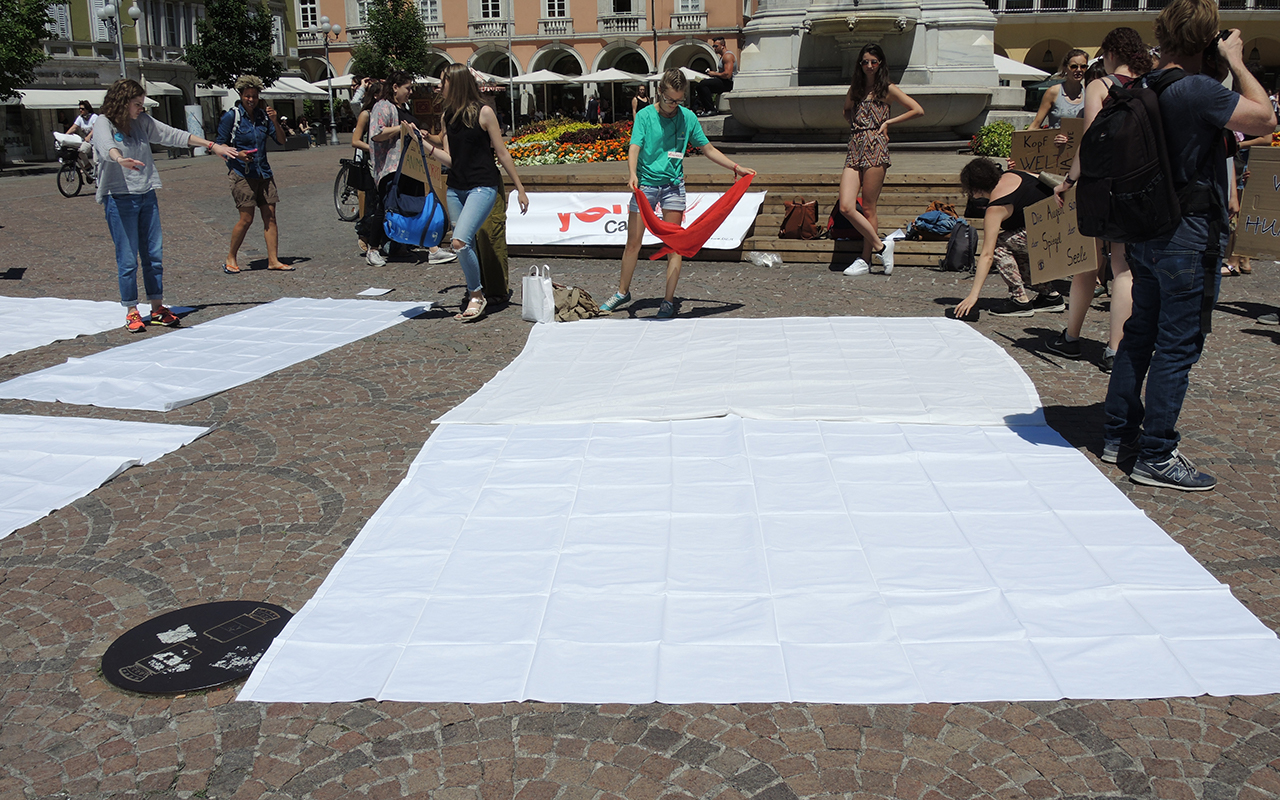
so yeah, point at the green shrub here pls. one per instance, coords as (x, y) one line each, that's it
(994, 139)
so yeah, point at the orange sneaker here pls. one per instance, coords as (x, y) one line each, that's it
(133, 321)
(165, 317)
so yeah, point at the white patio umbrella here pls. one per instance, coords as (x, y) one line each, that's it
(545, 77)
(610, 76)
(685, 71)
(1011, 70)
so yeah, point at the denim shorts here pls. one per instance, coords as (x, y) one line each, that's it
(670, 197)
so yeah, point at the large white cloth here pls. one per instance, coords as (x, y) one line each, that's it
(936, 371)
(29, 322)
(732, 560)
(161, 373)
(48, 462)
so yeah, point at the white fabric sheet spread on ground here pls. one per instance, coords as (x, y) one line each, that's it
(164, 372)
(936, 371)
(48, 462)
(732, 560)
(29, 322)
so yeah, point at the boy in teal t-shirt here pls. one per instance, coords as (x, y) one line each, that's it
(659, 137)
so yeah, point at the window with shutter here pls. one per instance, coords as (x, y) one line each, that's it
(61, 14)
(101, 33)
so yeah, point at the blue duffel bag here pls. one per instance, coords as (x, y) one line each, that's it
(410, 219)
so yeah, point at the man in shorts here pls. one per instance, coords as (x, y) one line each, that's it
(247, 128)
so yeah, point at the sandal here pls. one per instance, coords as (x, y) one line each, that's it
(1229, 271)
(475, 310)
(229, 270)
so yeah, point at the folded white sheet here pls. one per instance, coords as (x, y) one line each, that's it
(163, 372)
(48, 462)
(732, 560)
(870, 369)
(28, 322)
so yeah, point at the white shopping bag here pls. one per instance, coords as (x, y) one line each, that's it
(538, 300)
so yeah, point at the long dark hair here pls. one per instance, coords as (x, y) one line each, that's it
(115, 106)
(461, 97)
(397, 78)
(858, 88)
(371, 97)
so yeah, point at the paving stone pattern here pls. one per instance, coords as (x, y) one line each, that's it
(262, 508)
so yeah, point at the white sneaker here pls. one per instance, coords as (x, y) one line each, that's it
(441, 256)
(886, 256)
(858, 267)
(374, 257)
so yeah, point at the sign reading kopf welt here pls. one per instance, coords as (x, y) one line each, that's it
(1035, 152)
(1258, 226)
(1055, 246)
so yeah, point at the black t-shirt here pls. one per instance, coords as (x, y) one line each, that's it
(1028, 193)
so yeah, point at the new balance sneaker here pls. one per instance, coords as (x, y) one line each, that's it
(374, 257)
(611, 305)
(858, 267)
(1062, 347)
(133, 321)
(1049, 302)
(667, 310)
(163, 316)
(1115, 451)
(886, 256)
(441, 256)
(1014, 308)
(1175, 472)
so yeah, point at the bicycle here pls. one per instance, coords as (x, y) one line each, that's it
(353, 177)
(74, 172)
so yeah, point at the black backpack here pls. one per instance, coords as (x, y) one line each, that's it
(1126, 191)
(840, 228)
(962, 249)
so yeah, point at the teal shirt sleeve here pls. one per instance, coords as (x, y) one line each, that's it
(697, 136)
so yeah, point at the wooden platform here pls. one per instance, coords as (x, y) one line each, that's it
(904, 197)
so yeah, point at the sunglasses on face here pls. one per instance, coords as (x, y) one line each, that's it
(1077, 66)
(869, 62)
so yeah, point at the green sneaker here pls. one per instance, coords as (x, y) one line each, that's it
(667, 310)
(610, 305)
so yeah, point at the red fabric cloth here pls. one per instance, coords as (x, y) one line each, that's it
(688, 241)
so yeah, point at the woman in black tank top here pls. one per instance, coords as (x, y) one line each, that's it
(1004, 238)
(472, 140)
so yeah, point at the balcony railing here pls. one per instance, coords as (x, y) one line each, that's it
(1078, 6)
(310, 39)
(622, 23)
(435, 30)
(689, 22)
(556, 26)
(490, 29)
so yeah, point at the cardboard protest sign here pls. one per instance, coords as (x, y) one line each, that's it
(414, 168)
(1258, 227)
(1035, 152)
(1055, 245)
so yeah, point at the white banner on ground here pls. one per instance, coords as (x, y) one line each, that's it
(49, 462)
(600, 218)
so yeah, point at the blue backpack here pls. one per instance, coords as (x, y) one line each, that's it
(411, 219)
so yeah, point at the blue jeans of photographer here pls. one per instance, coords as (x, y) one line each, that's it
(134, 222)
(469, 208)
(1162, 339)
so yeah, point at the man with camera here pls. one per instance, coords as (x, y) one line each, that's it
(1174, 283)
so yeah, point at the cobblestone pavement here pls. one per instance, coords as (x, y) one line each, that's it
(262, 508)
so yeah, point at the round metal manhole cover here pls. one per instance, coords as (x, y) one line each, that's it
(193, 648)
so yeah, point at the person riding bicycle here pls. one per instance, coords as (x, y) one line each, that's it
(83, 125)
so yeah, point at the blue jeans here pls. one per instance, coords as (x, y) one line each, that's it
(1162, 339)
(469, 208)
(134, 222)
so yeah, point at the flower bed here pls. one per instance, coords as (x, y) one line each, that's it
(560, 142)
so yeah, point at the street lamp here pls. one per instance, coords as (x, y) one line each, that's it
(325, 29)
(108, 15)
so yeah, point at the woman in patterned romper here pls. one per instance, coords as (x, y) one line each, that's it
(866, 106)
